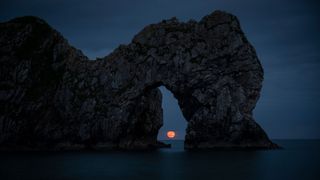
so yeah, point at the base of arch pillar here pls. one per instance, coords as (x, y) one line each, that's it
(246, 135)
(231, 146)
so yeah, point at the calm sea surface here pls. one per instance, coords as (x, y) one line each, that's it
(299, 160)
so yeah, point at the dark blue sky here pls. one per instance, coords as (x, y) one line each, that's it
(286, 35)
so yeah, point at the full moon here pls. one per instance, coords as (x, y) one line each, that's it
(171, 134)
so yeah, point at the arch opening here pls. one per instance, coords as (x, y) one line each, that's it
(173, 119)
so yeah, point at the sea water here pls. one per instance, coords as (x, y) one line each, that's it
(298, 160)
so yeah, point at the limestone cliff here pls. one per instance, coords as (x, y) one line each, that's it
(53, 97)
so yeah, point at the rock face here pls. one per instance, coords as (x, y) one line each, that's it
(53, 97)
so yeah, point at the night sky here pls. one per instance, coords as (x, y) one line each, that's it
(286, 35)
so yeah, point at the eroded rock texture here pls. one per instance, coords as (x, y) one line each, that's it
(53, 97)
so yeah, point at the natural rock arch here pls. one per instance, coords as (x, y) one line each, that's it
(113, 102)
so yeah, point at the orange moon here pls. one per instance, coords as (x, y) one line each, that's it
(171, 134)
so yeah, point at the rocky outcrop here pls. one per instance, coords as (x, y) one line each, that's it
(53, 97)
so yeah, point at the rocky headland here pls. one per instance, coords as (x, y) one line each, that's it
(52, 97)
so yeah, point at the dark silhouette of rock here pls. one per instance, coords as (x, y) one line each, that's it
(53, 97)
